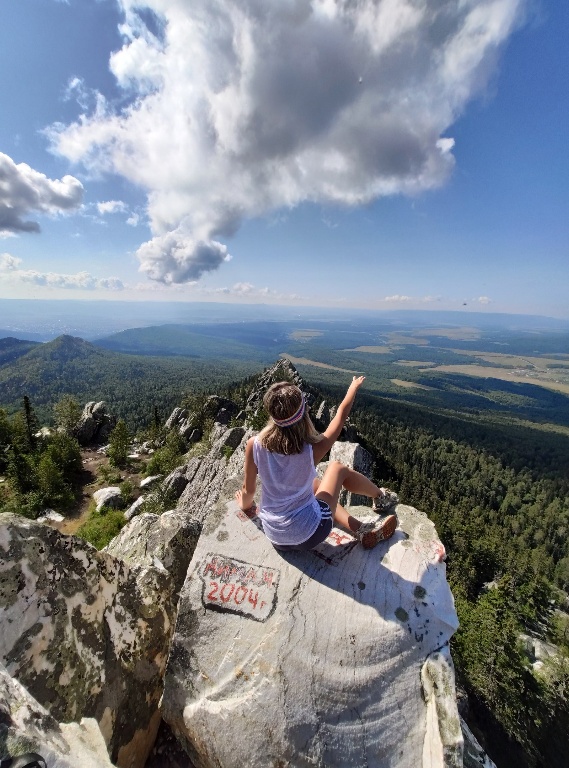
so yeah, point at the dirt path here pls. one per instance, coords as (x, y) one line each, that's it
(91, 481)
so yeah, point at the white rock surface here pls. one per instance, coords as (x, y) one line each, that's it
(25, 726)
(50, 514)
(134, 508)
(303, 659)
(150, 480)
(85, 633)
(109, 497)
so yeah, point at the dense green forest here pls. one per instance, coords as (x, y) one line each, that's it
(132, 385)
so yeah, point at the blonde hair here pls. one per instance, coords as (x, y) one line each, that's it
(281, 401)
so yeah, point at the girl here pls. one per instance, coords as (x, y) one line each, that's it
(297, 510)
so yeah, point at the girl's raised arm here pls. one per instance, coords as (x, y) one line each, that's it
(330, 435)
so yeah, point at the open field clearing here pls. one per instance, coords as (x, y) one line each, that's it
(515, 361)
(314, 363)
(401, 338)
(305, 334)
(409, 384)
(461, 334)
(413, 363)
(486, 372)
(371, 350)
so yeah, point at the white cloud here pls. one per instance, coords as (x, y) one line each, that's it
(133, 220)
(111, 206)
(238, 109)
(24, 191)
(84, 281)
(251, 291)
(398, 299)
(483, 300)
(176, 257)
(8, 262)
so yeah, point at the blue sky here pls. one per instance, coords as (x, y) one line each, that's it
(408, 154)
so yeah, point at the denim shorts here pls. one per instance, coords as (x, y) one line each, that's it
(320, 534)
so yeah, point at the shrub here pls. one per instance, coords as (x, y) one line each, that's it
(126, 488)
(101, 526)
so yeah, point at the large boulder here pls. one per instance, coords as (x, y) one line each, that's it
(95, 424)
(170, 538)
(25, 726)
(337, 657)
(86, 634)
(110, 497)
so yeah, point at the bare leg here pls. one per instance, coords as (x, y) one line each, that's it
(336, 477)
(340, 515)
(328, 489)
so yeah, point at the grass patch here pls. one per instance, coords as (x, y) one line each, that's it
(101, 526)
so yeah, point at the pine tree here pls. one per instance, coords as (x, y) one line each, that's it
(32, 423)
(119, 442)
(67, 413)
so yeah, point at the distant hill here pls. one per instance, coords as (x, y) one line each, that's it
(260, 341)
(131, 385)
(11, 349)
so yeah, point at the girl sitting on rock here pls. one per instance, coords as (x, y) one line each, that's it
(298, 510)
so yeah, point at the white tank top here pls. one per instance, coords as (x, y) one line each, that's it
(288, 510)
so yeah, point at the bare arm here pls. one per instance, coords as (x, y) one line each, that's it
(246, 495)
(330, 435)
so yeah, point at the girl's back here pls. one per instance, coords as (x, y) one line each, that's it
(287, 480)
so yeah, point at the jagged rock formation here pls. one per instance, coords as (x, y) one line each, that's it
(25, 726)
(86, 634)
(283, 370)
(189, 425)
(95, 424)
(170, 539)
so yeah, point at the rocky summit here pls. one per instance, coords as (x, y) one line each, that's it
(336, 657)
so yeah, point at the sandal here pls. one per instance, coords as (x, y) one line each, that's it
(370, 534)
(385, 501)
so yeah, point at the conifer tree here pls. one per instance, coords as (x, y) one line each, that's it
(119, 442)
(32, 423)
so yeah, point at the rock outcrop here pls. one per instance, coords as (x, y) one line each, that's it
(95, 424)
(169, 539)
(84, 633)
(26, 726)
(110, 497)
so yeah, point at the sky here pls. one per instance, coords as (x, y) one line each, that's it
(382, 154)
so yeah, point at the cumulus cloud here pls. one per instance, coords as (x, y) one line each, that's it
(397, 298)
(8, 262)
(176, 257)
(111, 206)
(237, 109)
(483, 300)
(251, 291)
(24, 191)
(84, 281)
